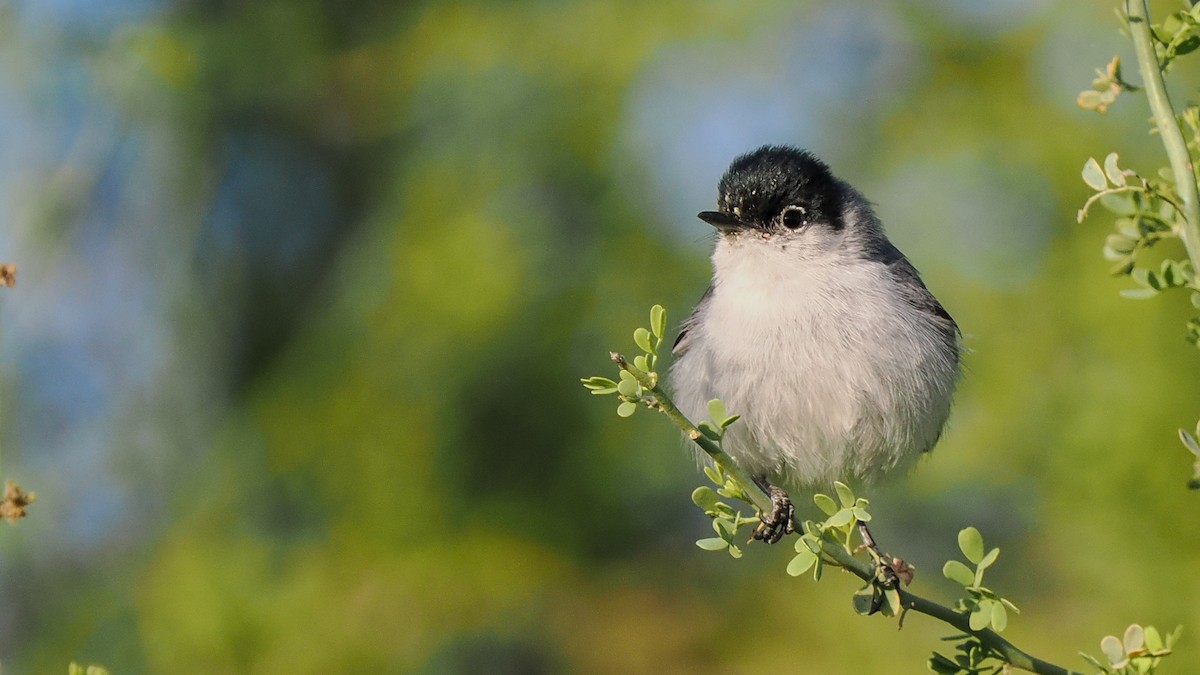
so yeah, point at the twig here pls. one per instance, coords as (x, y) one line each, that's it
(1138, 14)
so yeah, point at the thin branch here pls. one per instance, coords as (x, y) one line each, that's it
(838, 554)
(663, 404)
(1138, 14)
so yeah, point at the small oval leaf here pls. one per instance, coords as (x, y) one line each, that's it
(840, 518)
(716, 410)
(801, 563)
(826, 503)
(1112, 171)
(1138, 293)
(712, 544)
(1189, 441)
(981, 617)
(959, 573)
(970, 542)
(628, 388)
(844, 493)
(999, 617)
(989, 559)
(1093, 175)
(863, 599)
(658, 321)
(705, 498)
(641, 336)
(1113, 650)
(1135, 638)
(626, 409)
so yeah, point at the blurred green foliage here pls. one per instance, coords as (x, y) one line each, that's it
(402, 473)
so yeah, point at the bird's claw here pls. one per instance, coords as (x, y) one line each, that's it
(890, 571)
(779, 522)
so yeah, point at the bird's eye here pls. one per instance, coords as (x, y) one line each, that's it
(793, 217)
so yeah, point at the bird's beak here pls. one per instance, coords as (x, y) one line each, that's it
(722, 221)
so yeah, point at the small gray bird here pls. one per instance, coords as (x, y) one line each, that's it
(816, 330)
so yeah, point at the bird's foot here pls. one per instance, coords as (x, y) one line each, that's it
(889, 570)
(779, 522)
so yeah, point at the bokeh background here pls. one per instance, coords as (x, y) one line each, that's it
(306, 287)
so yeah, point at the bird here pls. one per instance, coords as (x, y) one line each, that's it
(817, 331)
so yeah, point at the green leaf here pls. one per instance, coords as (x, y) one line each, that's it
(714, 474)
(629, 388)
(1156, 281)
(1188, 46)
(801, 563)
(999, 617)
(863, 599)
(597, 382)
(641, 363)
(1173, 637)
(1138, 293)
(825, 503)
(705, 498)
(1089, 100)
(724, 529)
(716, 410)
(1123, 267)
(1141, 275)
(626, 409)
(1189, 442)
(658, 321)
(841, 518)
(1153, 640)
(989, 559)
(844, 493)
(1196, 300)
(709, 430)
(1093, 660)
(1171, 274)
(1010, 606)
(892, 606)
(1134, 639)
(1113, 171)
(730, 420)
(958, 572)
(970, 542)
(641, 336)
(981, 617)
(712, 544)
(808, 541)
(1093, 175)
(1120, 243)
(861, 514)
(1113, 650)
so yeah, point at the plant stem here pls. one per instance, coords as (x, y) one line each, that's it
(838, 554)
(1138, 15)
(663, 403)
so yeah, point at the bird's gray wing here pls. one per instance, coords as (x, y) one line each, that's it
(915, 291)
(681, 342)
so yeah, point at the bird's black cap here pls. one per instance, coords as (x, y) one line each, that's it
(759, 186)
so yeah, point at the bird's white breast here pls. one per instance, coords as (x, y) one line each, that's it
(835, 375)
